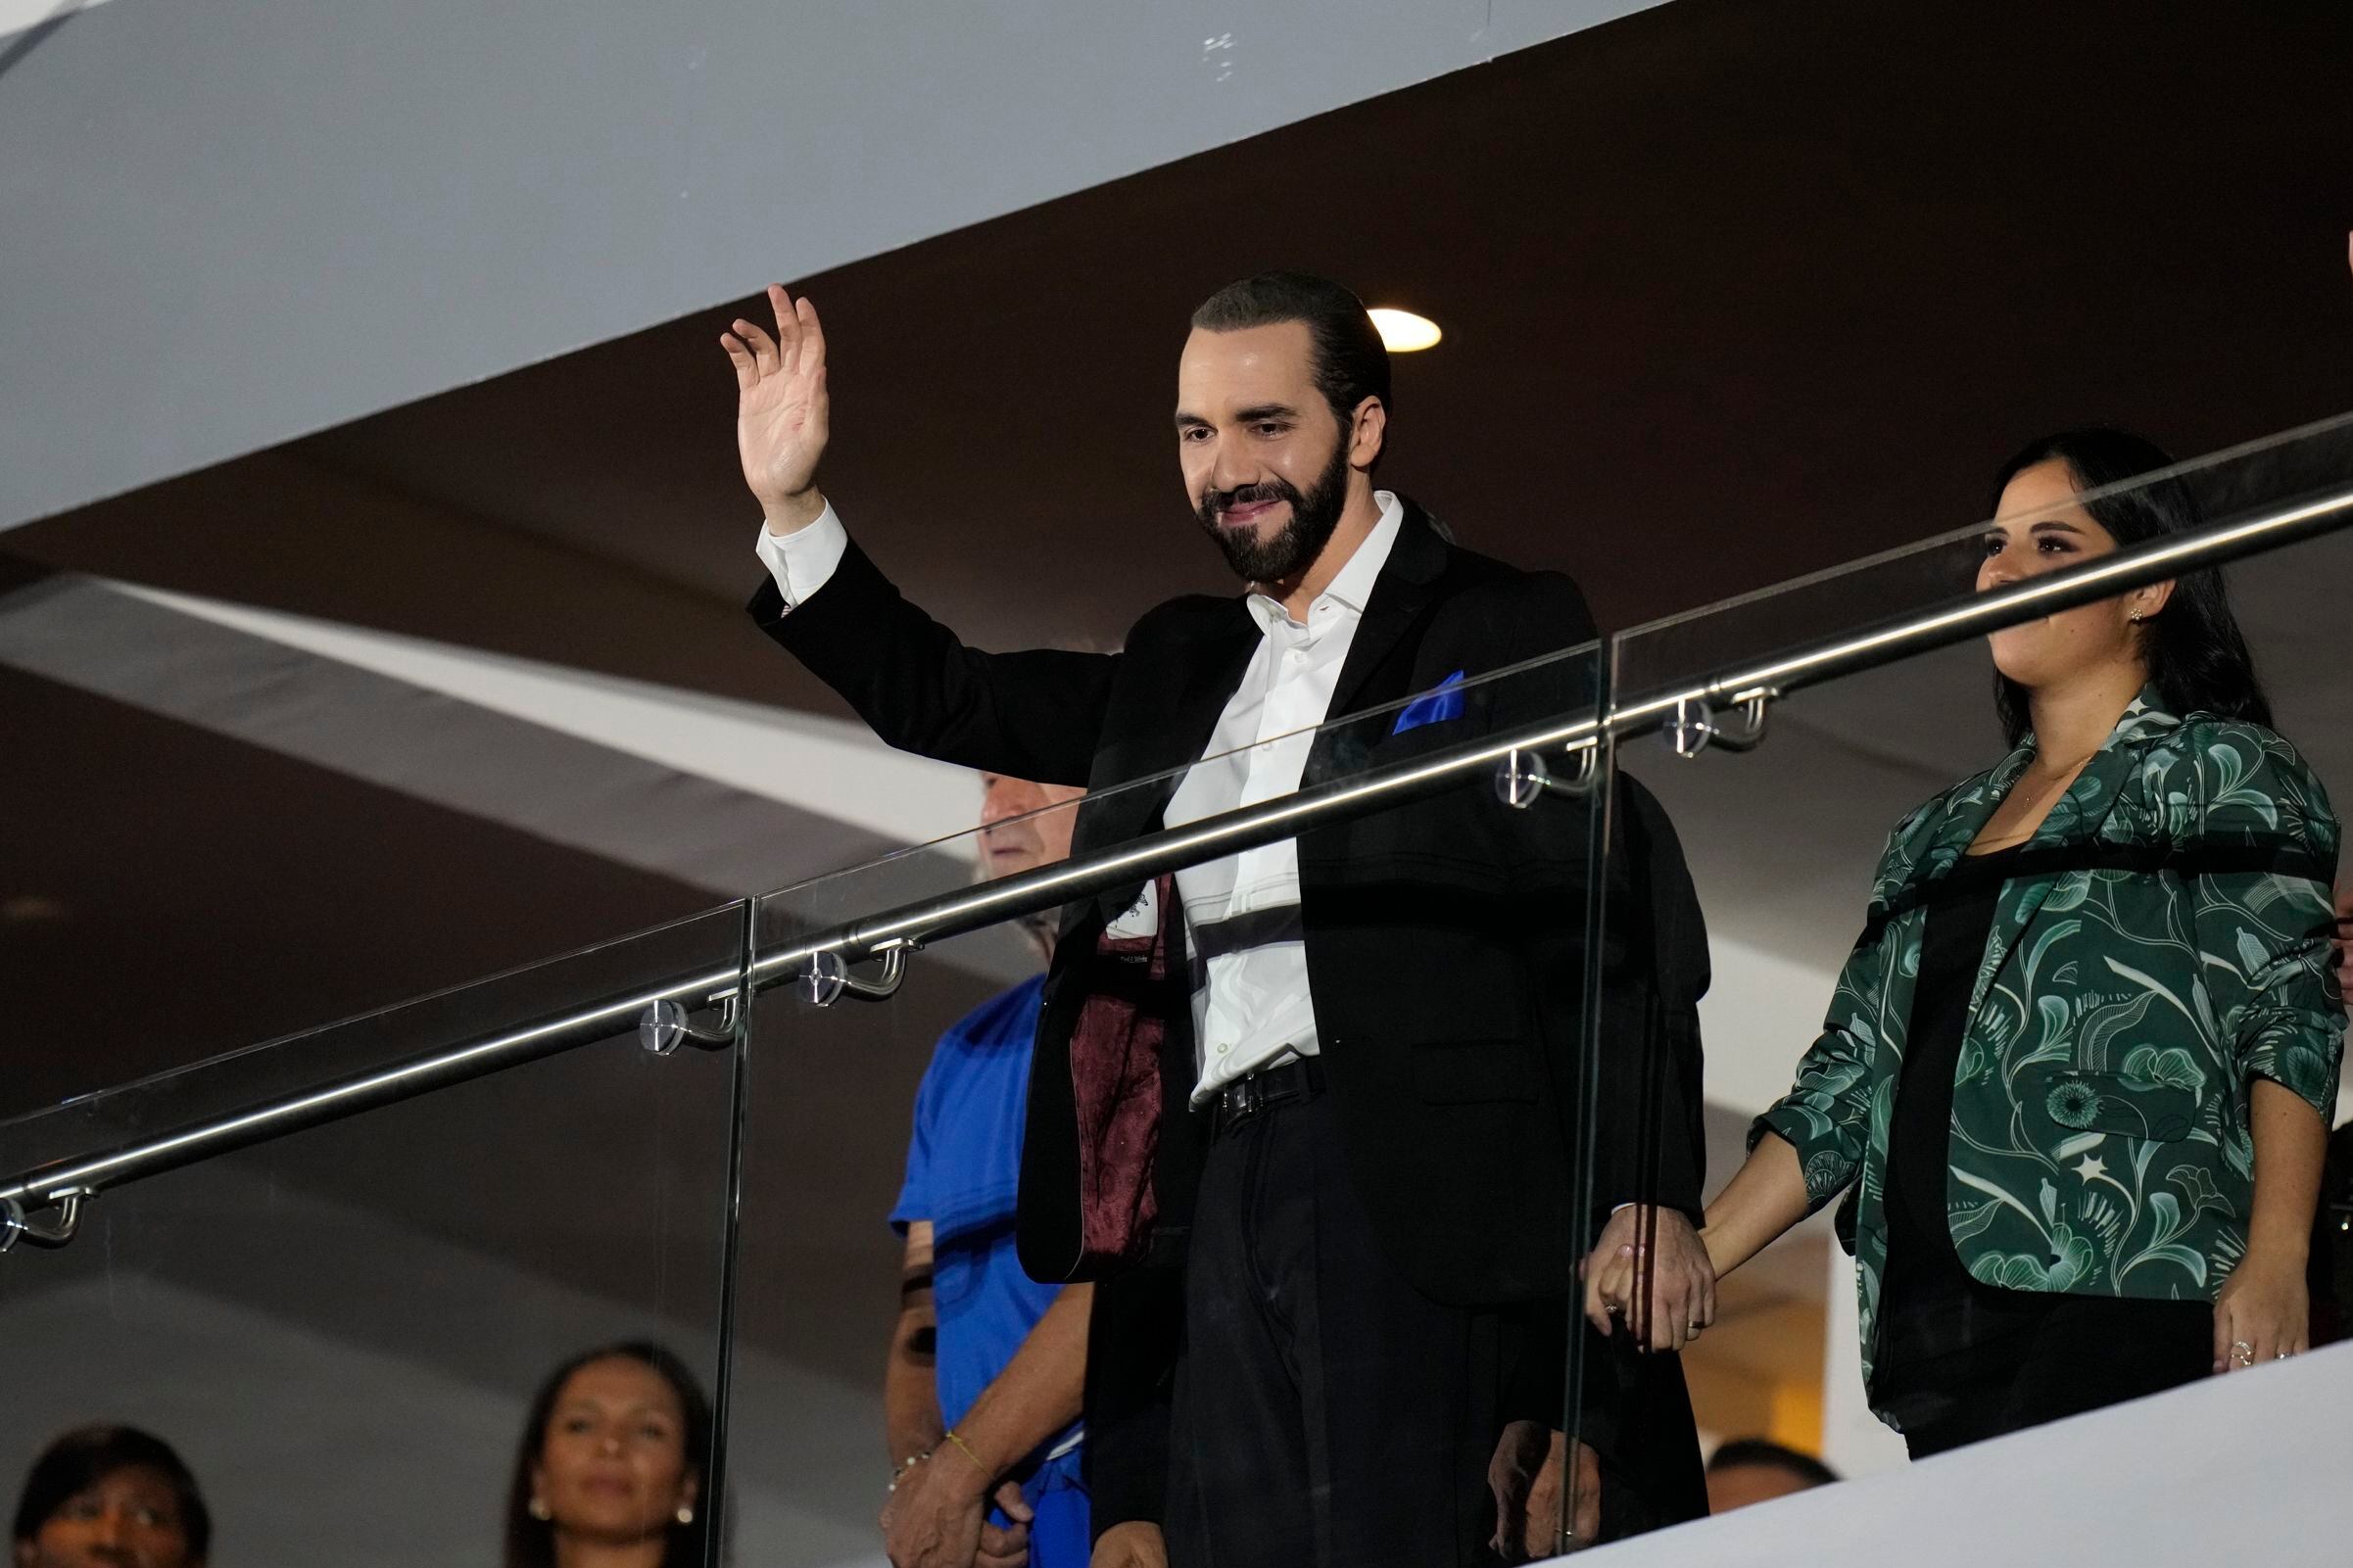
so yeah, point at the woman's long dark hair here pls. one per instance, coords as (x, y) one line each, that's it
(81, 1458)
(2198, 657)
(531, 1542)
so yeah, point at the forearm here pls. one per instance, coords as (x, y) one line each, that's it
(1765, 1198)
(2291, 1148)
(1037, 1393)
(1030, 715)
(911, 1417)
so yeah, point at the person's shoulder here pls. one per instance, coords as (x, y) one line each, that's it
(1187, 614)
(2204, 732)
(1009, 1017)
(2239, 762)
(1517, 596)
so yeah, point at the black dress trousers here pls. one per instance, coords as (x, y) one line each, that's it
(1325, 1411)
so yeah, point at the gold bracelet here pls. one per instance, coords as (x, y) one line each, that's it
(965, 1449)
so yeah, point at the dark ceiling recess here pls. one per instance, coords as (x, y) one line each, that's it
(1732, 291)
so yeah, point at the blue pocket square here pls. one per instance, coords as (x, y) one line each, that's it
(1434, 706)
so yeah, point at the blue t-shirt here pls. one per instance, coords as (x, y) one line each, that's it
(963, 1170)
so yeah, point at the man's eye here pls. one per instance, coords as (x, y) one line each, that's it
(1269, 428)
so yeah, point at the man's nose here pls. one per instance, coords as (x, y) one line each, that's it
(1231, 470)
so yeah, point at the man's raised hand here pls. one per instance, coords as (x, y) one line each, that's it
(781, 409)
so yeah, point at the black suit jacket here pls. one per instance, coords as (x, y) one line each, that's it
(1445, 943)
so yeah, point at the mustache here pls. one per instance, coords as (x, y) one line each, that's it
(1258, 493)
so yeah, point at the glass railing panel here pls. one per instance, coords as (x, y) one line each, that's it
(364, 1312)
(586, 994)
(1785, 842)
(1444, 949)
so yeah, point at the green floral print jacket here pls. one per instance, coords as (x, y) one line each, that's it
(2164, 941)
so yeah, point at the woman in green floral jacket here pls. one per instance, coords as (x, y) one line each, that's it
(2075, 1075)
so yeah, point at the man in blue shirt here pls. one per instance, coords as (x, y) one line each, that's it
(981, 1390)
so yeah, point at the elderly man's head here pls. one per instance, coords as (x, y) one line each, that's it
(1025, 825)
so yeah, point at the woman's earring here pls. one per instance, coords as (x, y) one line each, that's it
(686, 1514)
(540, 1510)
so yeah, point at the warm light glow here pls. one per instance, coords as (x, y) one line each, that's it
(1402, 331)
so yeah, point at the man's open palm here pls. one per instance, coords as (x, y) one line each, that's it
(781, 405)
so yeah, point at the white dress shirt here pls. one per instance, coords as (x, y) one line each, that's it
(1251, 1005)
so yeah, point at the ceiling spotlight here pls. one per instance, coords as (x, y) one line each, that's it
(1402, 331)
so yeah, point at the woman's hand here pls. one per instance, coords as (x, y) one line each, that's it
(2263, 1313)
(1681, 1300)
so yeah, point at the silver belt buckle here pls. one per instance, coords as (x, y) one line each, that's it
(1244, 1098)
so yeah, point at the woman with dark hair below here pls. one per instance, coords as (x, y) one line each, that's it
(2075, 1072)
(609, 1471)
(110, 1496)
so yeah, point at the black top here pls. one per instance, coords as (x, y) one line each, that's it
(1930, 1305)
(1941, 1329)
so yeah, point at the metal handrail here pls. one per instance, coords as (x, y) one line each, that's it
(929, 919)
(87, 1175)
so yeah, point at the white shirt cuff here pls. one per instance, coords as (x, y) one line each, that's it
(805, 559)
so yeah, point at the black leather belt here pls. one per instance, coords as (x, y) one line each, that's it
(1300, 1079)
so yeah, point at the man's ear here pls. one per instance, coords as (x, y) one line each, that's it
(1368, 432)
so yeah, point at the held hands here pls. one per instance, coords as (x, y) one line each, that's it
(2262, 1312)
(782, 410)
(1681, 1300)
(938, 1518)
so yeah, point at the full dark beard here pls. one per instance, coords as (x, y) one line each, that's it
(1314, 517)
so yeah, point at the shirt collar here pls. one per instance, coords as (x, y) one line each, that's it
(1352, 589)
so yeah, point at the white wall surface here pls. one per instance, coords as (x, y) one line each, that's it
(2245, 1470)
(228, 224)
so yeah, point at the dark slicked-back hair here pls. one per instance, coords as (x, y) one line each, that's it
(1772, 1457)
(2197, 656)
(83, 1457)
(1352, 363)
